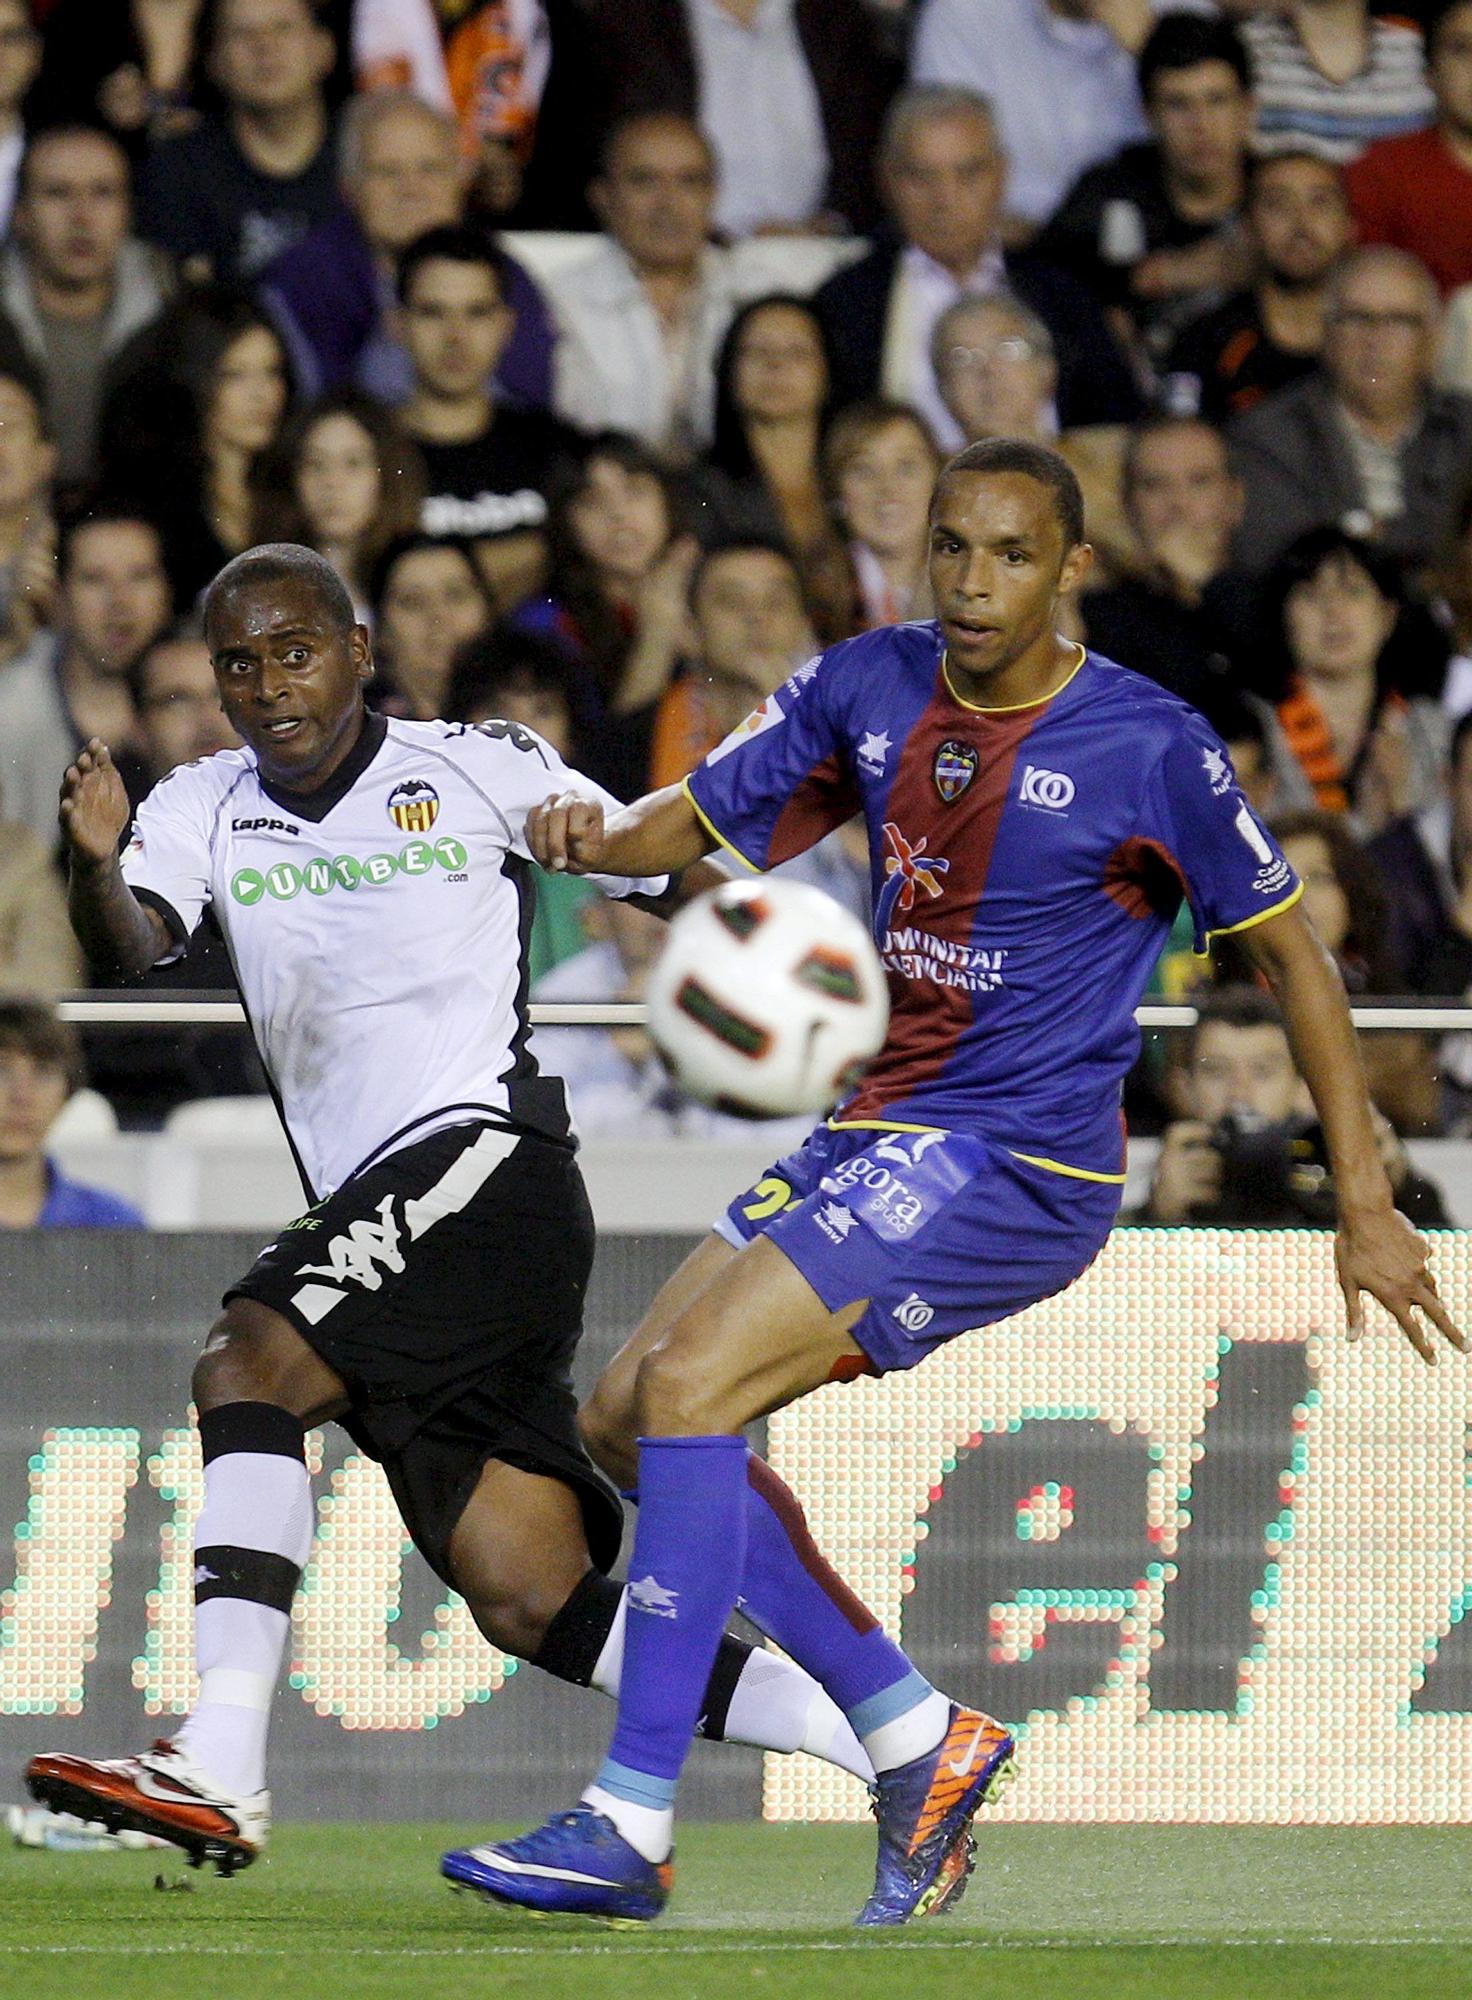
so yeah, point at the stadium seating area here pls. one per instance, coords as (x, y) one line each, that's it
(609, 348)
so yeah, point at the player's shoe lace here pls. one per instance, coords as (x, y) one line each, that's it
(924, 1810)
(578, 1864)
(165, 1792)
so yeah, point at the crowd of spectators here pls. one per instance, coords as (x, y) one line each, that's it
(609, 349)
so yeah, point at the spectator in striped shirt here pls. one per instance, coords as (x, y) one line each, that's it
(1328, 75)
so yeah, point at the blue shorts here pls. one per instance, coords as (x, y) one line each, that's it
(940, 1231)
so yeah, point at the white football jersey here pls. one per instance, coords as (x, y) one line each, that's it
(379, 927)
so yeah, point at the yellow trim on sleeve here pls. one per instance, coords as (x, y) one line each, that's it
(1010, 707)
(1073, 1173)
(879, 1125)
(711, 828)
(1260, 916)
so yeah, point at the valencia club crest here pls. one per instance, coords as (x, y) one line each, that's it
(414, 806)
(954, 768)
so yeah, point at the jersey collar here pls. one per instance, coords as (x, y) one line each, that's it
(318, 804)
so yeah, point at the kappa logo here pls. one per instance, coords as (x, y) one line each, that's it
(873, 751)
(356, 1255)
(204, 1574)
(414, 806)
(836, 1221)
(263, 826)
(1053, 790)
(914, 1313)
(650, 1595)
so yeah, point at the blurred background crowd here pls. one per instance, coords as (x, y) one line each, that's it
(610, 347)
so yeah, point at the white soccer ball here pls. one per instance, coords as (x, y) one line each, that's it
(768, 999)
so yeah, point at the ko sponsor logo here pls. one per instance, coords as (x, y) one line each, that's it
(322, 877)
(1053, 790)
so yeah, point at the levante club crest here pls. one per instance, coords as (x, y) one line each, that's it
(954, 768)
(414, 806)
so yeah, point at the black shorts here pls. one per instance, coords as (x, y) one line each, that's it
(444, 1286)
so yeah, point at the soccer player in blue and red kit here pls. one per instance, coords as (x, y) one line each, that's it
(1036, 815)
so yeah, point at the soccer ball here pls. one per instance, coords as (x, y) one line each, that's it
(767, 999)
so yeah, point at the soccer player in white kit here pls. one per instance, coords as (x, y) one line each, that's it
(373, 883)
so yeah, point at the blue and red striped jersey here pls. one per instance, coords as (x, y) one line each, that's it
(1026, 866)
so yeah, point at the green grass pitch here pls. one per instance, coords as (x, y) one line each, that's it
(1167, 1913)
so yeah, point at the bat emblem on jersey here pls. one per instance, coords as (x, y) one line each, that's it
(954, 768)
(414, 806)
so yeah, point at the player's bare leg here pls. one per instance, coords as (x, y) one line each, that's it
(257, 1386)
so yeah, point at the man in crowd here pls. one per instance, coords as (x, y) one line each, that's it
(27, 526)
(1244, 1149)
(40, 1068)
(1366, 441)
(1269, 335)
(1181, 616)
(75, 287)
(790, 96)
(1154, 230)
(641, 313)
(943, 172)
(245, 184)
(1062, 81)
(1415, 191)
(489, 465)
(332, 294)
(20, 60)
(177, 704)
(113, 600)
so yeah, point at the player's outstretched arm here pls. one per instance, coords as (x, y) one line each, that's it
(1377, 1250)
(658, 835)
(115, 930)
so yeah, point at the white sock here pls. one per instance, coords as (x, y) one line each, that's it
(775, 1705)
(909, 1735)
(649, 1830)
(261, 1502)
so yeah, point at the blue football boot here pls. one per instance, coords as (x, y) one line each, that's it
(924, 1810)
(578, 1864)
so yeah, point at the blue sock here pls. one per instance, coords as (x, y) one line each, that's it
(791, 1592)
(684, 1573)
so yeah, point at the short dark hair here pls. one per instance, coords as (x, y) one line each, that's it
(74, 128)
(451, 243)
(1259, 165)
(1154, 424)
(282, 562)
(33, 1028)
(1233, 1007)
(414, 543)
(106, 511)
(1033, 461)
(1182, 41)
(507, 656)
(187, 631)
(744, 545)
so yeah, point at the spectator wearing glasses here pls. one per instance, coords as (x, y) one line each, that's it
(1367, 441)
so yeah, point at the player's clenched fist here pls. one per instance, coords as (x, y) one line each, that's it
(565, 833)
(94, 805)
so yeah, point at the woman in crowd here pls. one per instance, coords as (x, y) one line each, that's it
(1351, 653)
(764, 473)
(620, 574)
(429, 600)
(1345, 899)
(345, 478)
(879, 464)
(190, 429)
